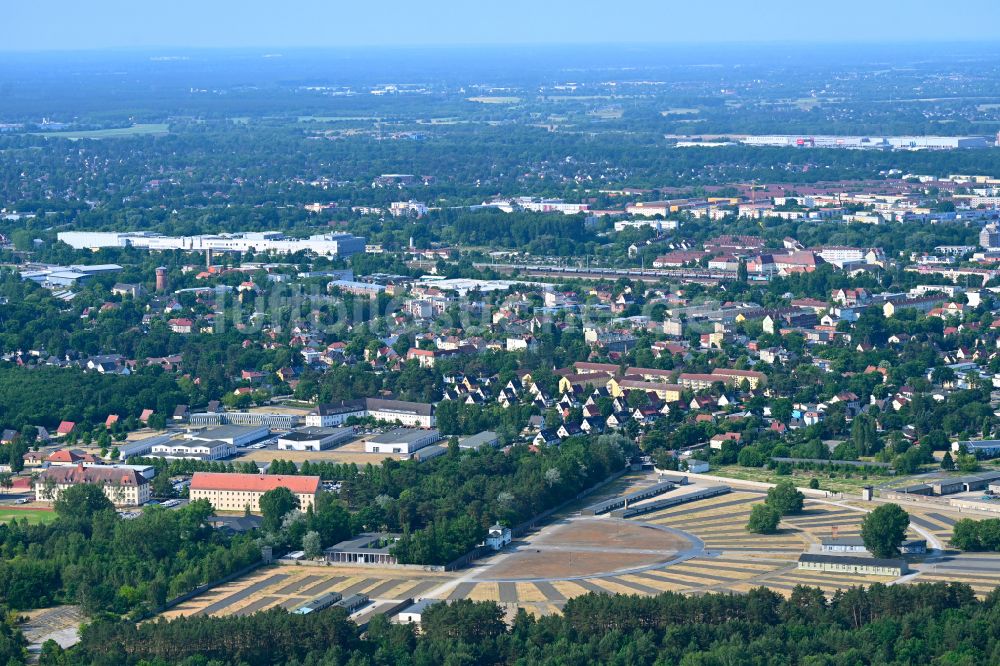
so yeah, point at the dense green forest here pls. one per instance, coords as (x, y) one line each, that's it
(92, 557)
(900, 625)
(443, 507)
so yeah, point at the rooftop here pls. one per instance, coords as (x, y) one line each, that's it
(313, 433)
(848, 559)
(227, 432)
(371, 542)
(404, 436)
(253, 482)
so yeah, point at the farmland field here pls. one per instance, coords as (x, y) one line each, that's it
(116, 133)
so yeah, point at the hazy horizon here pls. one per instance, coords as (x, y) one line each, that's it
(60, 25)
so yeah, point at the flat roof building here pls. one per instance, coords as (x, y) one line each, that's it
(367, 549)
(268, 419)
(402, 441)
(987, 448)
(232, 434)
(479, 440)
(315, 439)
(212, 449)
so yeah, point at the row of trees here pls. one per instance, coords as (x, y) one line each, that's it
(919, 624)
(983, 535)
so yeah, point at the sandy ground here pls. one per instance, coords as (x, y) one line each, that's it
(612, 534)
(532, 564)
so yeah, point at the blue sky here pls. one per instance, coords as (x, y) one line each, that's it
(97, 24)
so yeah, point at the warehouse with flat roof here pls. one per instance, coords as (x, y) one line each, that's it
(232, 434)
(315, 438)
(403, 441)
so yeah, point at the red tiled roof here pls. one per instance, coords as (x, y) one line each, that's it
(253, 482)
(68, 456)
(65, 427)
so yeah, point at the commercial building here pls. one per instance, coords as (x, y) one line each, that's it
(267, 419)
(403, 441)
(54, 277)
(357, 288)
(141, 447)
(315, 439)
(235, 492)
(868, 142)
(231, 434)
(330, 244)
(986, 448)
(124, 486)
(194, 450)
(865, 566)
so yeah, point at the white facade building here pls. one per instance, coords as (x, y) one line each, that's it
(194, 450)
(331, 244)
(403, 441)
(315, 439)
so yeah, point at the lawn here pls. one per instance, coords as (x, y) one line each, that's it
(33, 515)
(852, 484)
(116, 133)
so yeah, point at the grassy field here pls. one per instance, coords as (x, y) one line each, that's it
(33, 515)
(495, 100)
(800, 477)
(116, 133)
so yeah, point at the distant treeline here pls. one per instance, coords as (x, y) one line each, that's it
(900, 625)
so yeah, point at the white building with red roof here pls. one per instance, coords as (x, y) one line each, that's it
(235, 492)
